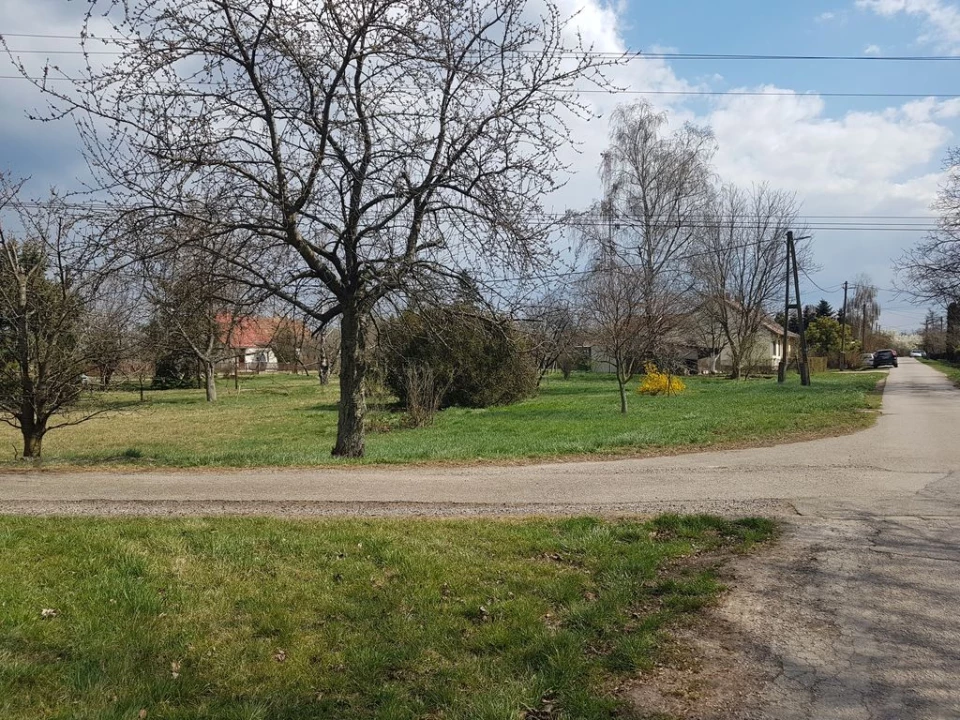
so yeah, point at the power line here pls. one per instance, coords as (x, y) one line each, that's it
(814, 283)
(626, 55)
(611, 91)
(591, 220)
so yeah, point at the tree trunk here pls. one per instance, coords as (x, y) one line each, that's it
(353, 370)
(623, 394)
(211, 378)
(32, 441)
(323, 363)
(714, 359)
(736, 364)
(324, 371)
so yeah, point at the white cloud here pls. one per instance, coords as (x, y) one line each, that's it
(941, 18)
(825, 17)
(882, 162)
(871, 50)
(863, 158)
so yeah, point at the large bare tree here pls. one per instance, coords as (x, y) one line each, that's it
(656, 192)
(361, 144)
(931, 270)
(740, 264)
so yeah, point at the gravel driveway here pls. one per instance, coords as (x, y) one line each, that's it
(853, 615)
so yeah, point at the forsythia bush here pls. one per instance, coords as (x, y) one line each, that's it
(659, 383)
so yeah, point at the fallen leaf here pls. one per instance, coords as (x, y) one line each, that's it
(175, 669)
(46, 613)
(280, 655)
(142, 714)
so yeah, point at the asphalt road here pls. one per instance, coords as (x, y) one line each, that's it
(913, 444)
(853, 615)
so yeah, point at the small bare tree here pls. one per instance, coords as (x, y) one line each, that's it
(864, 312)
(113, 318)
(614, 303)
(552, 328)
(49, 277)
(198, 304)
(362, 145)
(328, 352)
(740, 265)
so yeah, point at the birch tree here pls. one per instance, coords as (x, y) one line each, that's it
(656, 192)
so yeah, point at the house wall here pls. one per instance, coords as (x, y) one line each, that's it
(252, 360)
(765, 355)
(259, 360)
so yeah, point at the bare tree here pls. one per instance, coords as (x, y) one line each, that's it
(113, 318)
(198, 304)
(48, 278)
(740, 265)
(362, 145)
(864, 311)
(656, 193)
(614, 302)
(931, 271)
(328, 352)
(552, 327)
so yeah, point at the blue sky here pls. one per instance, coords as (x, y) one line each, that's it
(843, 156)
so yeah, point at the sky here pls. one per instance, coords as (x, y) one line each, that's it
(848, 159)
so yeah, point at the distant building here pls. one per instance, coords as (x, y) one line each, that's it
(254, 341)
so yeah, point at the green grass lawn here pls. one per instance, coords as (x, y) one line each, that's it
(242, 619)
(291, 420)
(949, 369)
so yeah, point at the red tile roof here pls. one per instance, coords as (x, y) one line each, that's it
(251, 332)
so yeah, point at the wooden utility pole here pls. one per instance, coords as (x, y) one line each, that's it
(843, 331)
(793, 270)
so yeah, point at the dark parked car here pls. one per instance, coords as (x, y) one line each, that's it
(884, 357)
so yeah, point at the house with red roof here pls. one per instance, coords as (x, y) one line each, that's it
(252, 340)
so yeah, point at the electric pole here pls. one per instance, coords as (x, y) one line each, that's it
(793, 270)
(843, 330)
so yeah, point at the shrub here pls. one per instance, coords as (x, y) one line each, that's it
(173, 371)
(468, 359)
(423, 394)
(659, 383)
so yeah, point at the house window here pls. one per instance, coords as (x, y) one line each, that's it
(776, 348)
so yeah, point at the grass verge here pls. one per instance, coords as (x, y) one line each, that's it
(949, 369)
(257, 619)
(291, 420)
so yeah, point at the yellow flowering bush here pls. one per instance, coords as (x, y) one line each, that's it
(659, 383)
